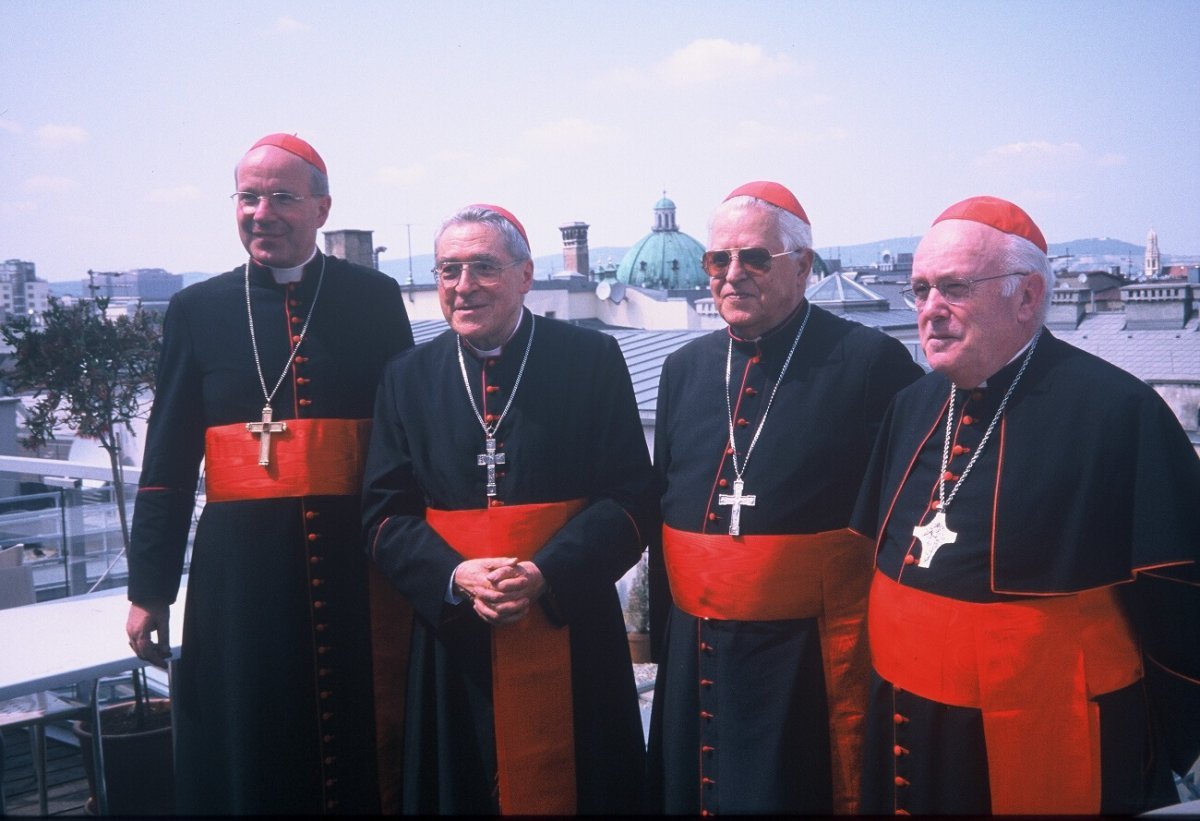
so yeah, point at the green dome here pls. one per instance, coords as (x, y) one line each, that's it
(666, 258)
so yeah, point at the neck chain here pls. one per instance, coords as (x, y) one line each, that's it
(489, 459)
(737, 499)
(937, 532)
(268, 396)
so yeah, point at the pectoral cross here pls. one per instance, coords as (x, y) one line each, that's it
(264, 429)
(490, 460)
(933, 536)
(737, 500)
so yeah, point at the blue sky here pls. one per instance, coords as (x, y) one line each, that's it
(120, 122)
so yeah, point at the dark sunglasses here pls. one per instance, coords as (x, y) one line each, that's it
(756, 261)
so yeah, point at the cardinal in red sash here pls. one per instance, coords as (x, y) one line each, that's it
(758, 589)
(508, 487)
(1036, 599)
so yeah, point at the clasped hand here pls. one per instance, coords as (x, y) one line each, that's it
(501, 589)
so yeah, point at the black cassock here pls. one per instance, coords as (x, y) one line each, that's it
(572, 432)
(277, 590)
(768, 722)
(1098, 483)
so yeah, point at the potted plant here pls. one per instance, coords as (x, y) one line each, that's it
(637, 614)
(139, 774)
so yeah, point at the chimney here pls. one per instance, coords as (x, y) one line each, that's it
(1067, 307)
(575, 247)
(1157, 305)
(352, 246)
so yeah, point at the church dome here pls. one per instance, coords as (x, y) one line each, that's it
(666, 258)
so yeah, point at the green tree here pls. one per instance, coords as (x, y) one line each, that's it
(87, 373)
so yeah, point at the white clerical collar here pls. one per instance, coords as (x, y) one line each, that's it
(496, 351)
(1015, 357)
(285, 275)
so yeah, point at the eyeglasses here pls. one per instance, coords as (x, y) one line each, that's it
(484, 271)
(756, 261)
(953, 291)
(279, 199)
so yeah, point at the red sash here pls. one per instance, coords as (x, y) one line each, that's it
(531, 662)
(769, 578)
(1031, 666)
(313, 457)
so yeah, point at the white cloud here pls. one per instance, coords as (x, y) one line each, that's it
(1042, 153)
(10, 126)
(49, 184)
(572, 131)
(406, 175)
(290, 25)
(52, 134)
(706, 61)
(180, 193)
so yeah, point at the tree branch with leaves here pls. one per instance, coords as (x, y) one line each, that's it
(87, 372)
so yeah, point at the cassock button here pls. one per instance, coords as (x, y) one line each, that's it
(705, 714)
(326, 716)
(295, 303)
(899, 751)
(312, 537)
(305, 402)
(302, 380)
(910, 559)
(935, 504)
(325, 694)
(706, 781)
(314, 559)
(295, 339)
(317, 582)
(328, 739)
(741, 423)
(493, 388)
(708, 748)
(751, 392)
(705, 647)
(491, 417)
(300, 360)
(329, 759)
(706, 682)
(331, 805)
(756, 359)
(968, 420)
(959, 450)
(329, 782)
(495, 503)
(296, 320)
(949, 476)
(324, 671)
(728, 451)
(903, 812)
(899, 719)
(901, 782)
(491, 363)
(977, 395)
(318, 605)
(320, 628)
(723, 483)
(712, 517)
(311, 514)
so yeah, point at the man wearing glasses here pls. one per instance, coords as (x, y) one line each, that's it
(1035, 604)
(508, 487)
(268, 375)
(762, 436)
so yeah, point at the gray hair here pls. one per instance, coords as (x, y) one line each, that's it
(1021, 256)
(794, 233)
(318, 180)
(514, 243)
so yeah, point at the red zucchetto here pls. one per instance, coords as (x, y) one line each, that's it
(504, 212)
(294, 145)
(773, 193)
(996, 213)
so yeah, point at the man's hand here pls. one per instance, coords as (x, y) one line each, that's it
(503, 589)
(142, 622)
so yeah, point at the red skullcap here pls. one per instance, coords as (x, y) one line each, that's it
(507, 215)
(773, 193)
(294, 145)
(996, 213)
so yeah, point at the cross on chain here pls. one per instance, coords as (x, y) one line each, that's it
(737, 500)
(264, 429)
(490, 460)
(933, 536)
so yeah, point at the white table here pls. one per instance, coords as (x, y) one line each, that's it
(71, 641)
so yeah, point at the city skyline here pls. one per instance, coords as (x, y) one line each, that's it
(120, 123)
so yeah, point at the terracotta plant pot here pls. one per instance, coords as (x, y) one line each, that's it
(639, 647)
(138, 764)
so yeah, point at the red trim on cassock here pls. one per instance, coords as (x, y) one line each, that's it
(531, 662)
(767, 578)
